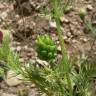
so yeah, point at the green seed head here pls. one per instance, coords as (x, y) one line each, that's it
(46, 48)
(82, 13)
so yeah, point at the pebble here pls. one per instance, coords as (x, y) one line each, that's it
(25, 47)
(33, 86)
(89, 7)
(34, 37)
(2, 6)
(64, 20)
(3, 15)
(15, 43)
(52, 24)
(59, 49)
(12, 79)
(44, 94)
(74, 41)
(84, 40)
(69, 34)
(30, 50)
(18, 48)
(67, 41)
(94, 22)
(94, 53)
(42, 63)
(57, 42)
(65, 37)
(29, 55)
(6, 94)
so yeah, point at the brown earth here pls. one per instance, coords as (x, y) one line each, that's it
(26, 22)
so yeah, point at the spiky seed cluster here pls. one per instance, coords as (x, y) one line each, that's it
(46, 48)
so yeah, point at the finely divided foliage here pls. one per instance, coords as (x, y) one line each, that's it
(63, 79)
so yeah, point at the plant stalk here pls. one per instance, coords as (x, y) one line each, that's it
(65, 65)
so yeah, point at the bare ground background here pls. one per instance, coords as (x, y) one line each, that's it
(25, 23)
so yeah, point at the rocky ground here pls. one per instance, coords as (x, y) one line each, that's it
(25, 23)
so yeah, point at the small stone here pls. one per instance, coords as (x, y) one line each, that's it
(29, 55)
(33, 37)
(6, 94)
(44, 94)
(38, 7)
(18, 48)
(63, 19)
(67, 41)
(65, 37)
(15, 43)
(30, 50)
(74, 41)
(18, 43)
(89, 7)
(59, 49)
(69, 34)
(17, 16)
(57, 42)
(42, 63)
(94, 22)
(21, 60)
(94, 53)
(33, 86)
(45, 63)
(25, 47)
(12, 79)
(84, 40)
(3, 15)
(2, 6)
(52, 24)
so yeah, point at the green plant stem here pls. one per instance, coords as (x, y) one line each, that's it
(65, 65)
(39, 86)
